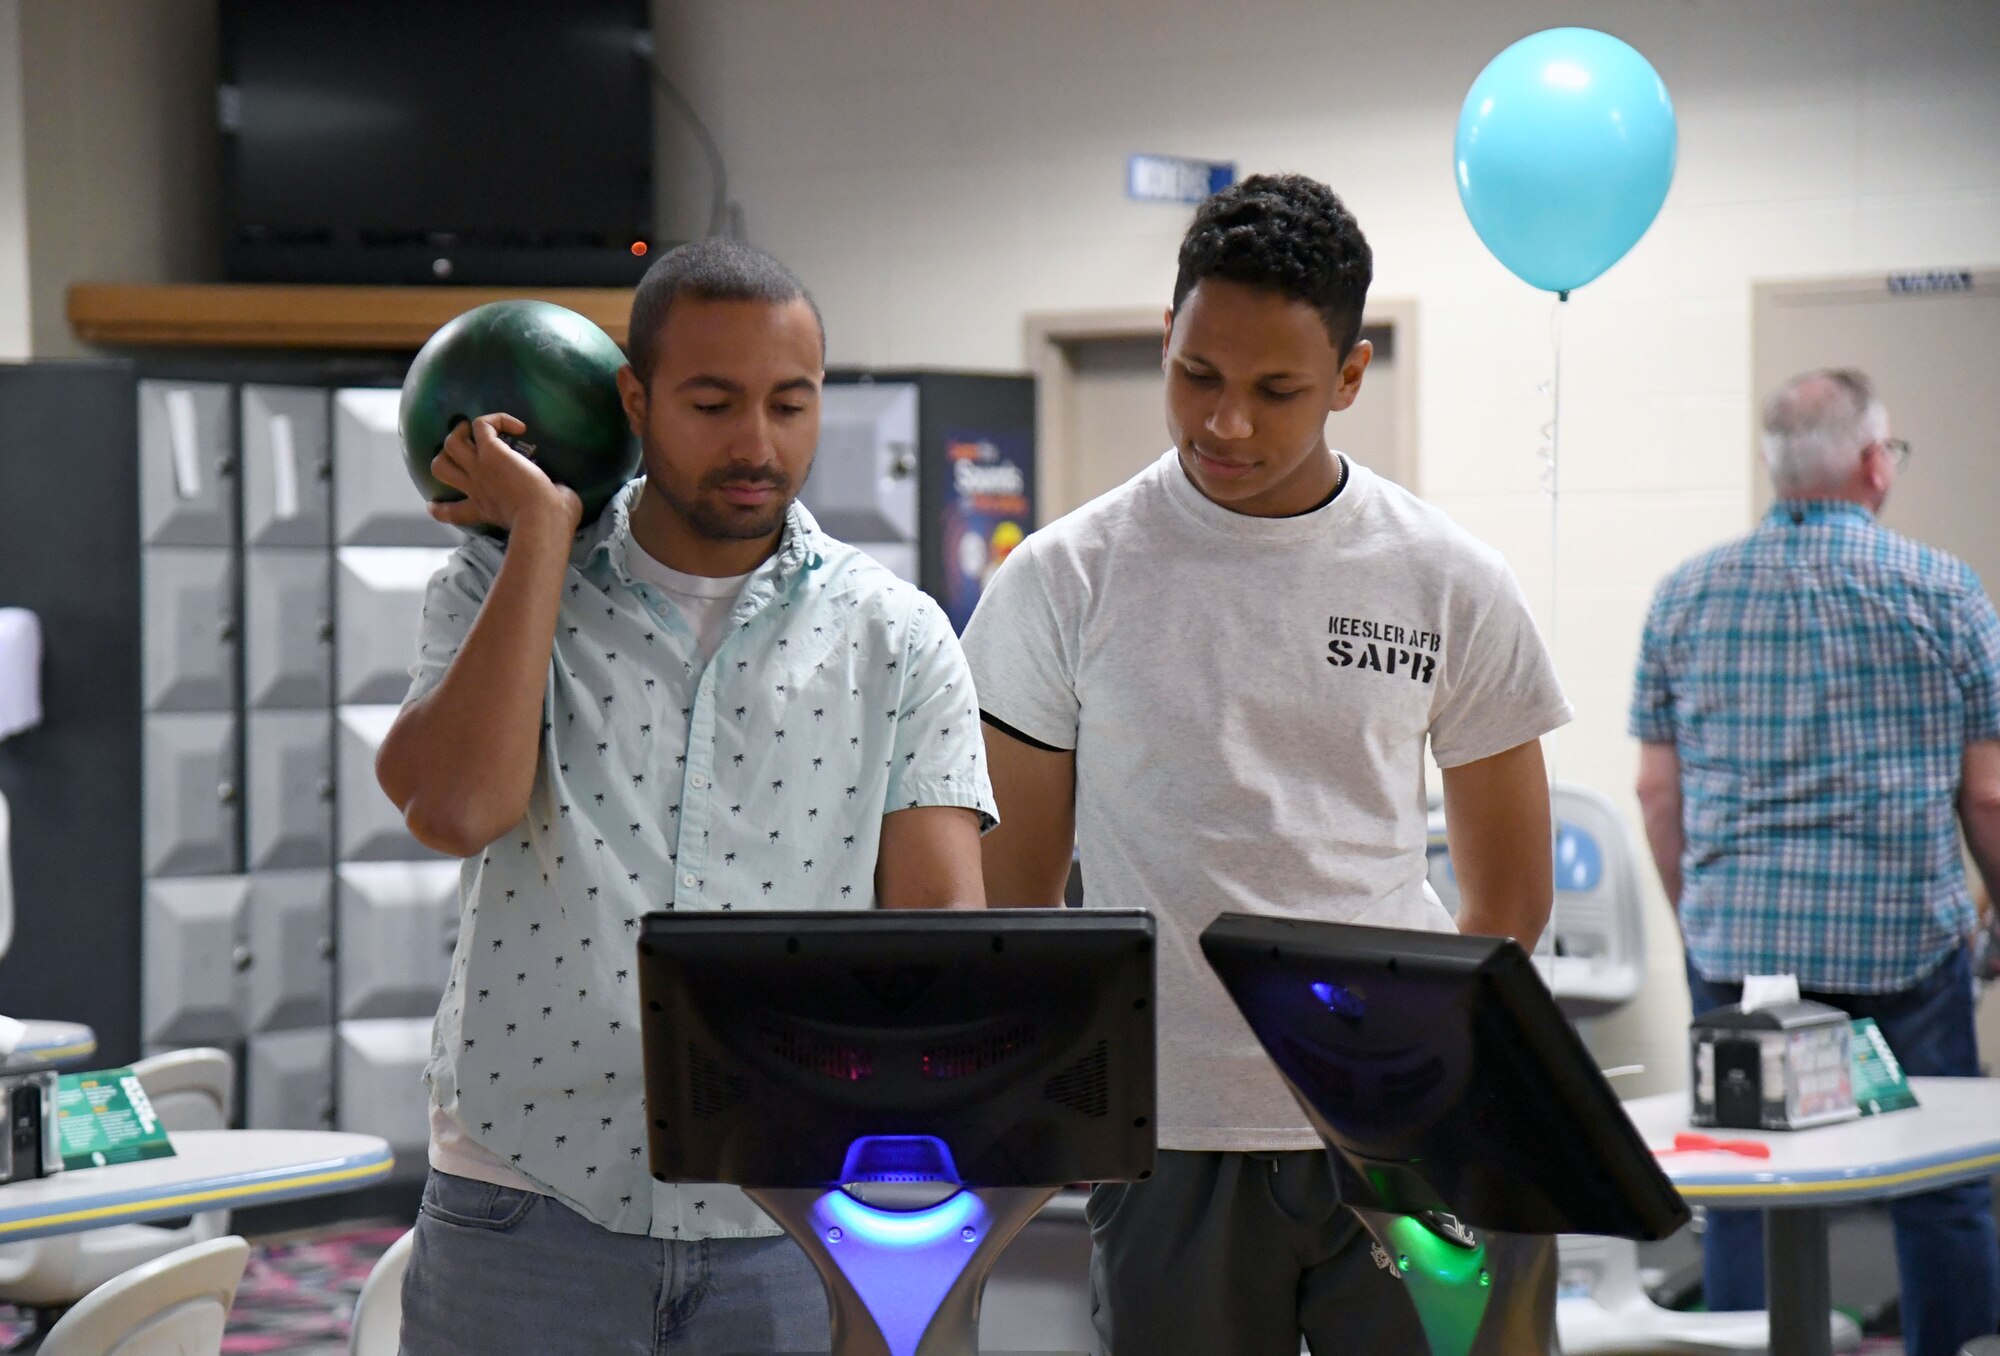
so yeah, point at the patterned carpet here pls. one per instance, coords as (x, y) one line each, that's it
(297, 1293)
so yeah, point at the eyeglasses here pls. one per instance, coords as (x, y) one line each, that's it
(1898, 451)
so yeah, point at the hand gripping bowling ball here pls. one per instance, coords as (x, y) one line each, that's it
(548, 367)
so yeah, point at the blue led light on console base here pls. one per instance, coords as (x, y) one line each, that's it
(901, 1263)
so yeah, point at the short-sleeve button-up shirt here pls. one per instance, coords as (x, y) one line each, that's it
(1819, 680)
(755, 780)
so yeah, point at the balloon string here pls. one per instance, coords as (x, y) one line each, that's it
(1551, 475)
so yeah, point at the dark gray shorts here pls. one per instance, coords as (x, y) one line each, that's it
(1242, 1254)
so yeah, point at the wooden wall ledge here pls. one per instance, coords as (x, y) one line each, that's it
(252, 315)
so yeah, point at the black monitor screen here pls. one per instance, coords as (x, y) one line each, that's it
(1004, 1047)
(1444, 1076)
(506, 122)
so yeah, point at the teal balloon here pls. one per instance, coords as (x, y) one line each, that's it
(1564, 154)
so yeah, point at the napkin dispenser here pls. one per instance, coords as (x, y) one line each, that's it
(30, 1148)
(1785, 1066)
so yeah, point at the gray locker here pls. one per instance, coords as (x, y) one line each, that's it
(398, 925)
(191, 629)
(380, 1069)
(195, 959)
(379, 592)
(288, 612)
(187, 464)
(288, 1080)
(288, 941)
(864, 482)
(376, 505)
(288, 767)
(367, 827)
(194, 802)
(287, 466)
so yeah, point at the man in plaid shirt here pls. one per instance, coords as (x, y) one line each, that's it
(1819, 710)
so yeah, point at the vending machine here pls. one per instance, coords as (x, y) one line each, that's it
(932, 473)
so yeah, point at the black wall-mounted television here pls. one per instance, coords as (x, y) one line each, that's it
(503, 142)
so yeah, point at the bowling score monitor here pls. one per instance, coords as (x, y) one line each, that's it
(1444, 1077)
(986, 1048)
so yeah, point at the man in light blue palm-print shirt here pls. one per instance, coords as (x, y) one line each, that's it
(1819, 710)
(698, 701)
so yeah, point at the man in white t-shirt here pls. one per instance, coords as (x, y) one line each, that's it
(1217, 680)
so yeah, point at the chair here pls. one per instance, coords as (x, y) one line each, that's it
(175, 1305)
(1593, 952)
(378, 1309)
(190, 1090)
(1604, 1310)
(6, 879)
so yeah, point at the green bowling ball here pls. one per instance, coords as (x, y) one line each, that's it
(548, 367)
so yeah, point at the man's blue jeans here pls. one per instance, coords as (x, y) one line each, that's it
(1947, 1258)
(500, 1272)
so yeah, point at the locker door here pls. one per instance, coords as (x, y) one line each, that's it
(864, 481)
(287, 466)
(288, 765)
(367, 827)
(398, 922)
(288, 601)
(193, 797)
(288, 981)
(379, 591)
(187, 464)
(288, 1080)
(191, 629)
(375, 502)
(381, 1071)
(194, 959)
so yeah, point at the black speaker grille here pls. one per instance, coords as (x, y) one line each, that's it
(835, 1059)
(1085, 1086)
(713, 1089)
(960, 1059)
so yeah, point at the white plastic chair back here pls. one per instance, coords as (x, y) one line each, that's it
(175, 1305)
(189, 1090)
(6, 879)
(1593, 953)
(378, 1310)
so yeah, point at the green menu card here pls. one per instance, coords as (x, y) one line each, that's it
(104, 1117)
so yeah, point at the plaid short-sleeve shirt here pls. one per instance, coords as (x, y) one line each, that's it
(1819, 680)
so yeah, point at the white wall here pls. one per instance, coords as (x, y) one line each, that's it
(119, 169)
(937, 168)
(13, 176)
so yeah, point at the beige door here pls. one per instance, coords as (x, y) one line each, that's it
(1103, 402)
(1930, 354)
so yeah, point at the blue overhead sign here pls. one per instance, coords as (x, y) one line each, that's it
(1173, 178)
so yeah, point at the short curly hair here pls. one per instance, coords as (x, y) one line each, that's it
(1290, 234)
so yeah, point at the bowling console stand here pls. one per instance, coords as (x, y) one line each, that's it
(1466, 1122)
(901, 1091)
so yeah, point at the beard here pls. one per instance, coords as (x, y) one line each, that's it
(711, 515)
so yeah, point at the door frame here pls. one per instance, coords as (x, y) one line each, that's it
(1047, 335)
(1767, 297)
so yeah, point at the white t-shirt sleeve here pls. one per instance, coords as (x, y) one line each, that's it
(1499, 688)
(451, 601)
(1021, 661)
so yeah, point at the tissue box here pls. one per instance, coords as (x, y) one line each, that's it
(1782, 1067)
(30, 1148)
